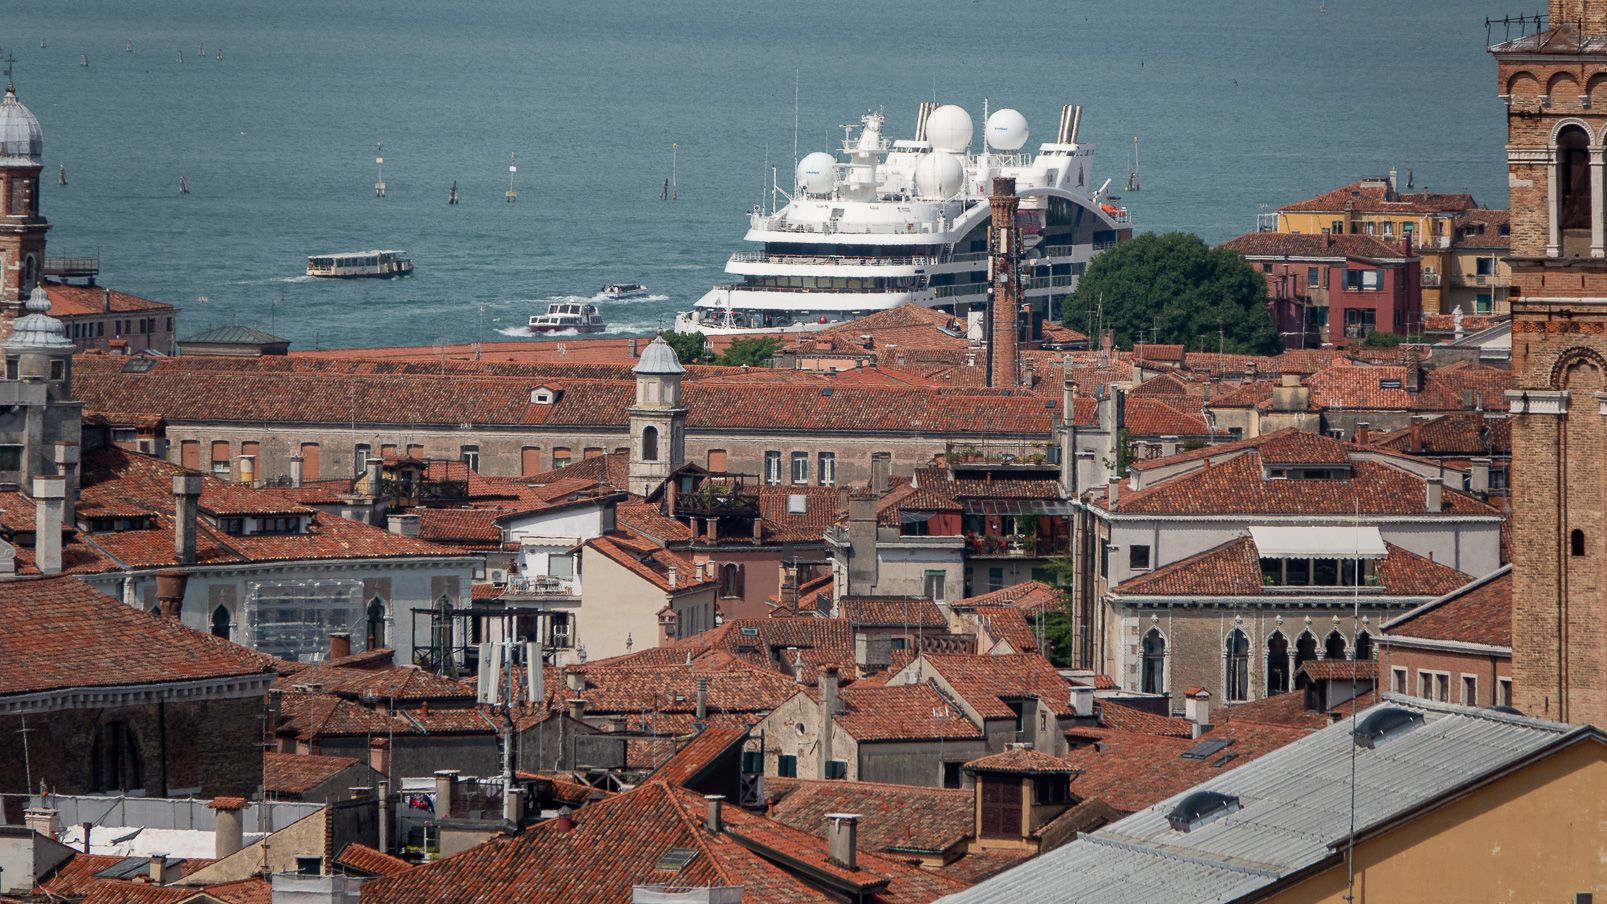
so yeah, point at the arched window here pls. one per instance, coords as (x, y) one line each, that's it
(1334, 647)
(650, 444)
(730, 580)
(220, 622)
(1576, 543)
(28, 275)
(376, 623)
(1573, 179)
(1153, 678)
(1277, 664)
(1305, 650)
(1238, 655)
(1364, 647)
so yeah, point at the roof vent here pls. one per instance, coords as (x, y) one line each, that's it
(1384, 724)
(826, 391)
(797, 504)
(1202, 808)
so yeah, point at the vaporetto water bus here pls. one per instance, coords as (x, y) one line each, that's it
(358, 264)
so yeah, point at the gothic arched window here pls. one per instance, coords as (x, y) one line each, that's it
(1153, 679)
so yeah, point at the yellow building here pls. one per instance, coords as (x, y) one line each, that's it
(1408, 802)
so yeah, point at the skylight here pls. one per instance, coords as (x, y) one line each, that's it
(674, 860)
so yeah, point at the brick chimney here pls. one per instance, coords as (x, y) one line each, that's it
(1004, 257)
(445, 780)
(170, 585)
(49, 493)
(340, 645)
(186, 499)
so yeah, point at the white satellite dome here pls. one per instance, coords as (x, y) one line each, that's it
(949, 128)
(939, 176)
(815, 173)
(1006, 130)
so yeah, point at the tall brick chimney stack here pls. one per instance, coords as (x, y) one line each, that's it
(1004, 257)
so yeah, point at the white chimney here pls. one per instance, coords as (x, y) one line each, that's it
(48, 494)
(843, 838)
(1197, 708)
(1082, 701)
(1433, 493)
(296, 462)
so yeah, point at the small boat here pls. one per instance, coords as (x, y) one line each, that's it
(617, 291)
(568, 315)
(184, 187)
(359, 264)
(130, 47)
(83, 59)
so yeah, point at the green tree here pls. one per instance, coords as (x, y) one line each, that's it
(1383, 340)
(1056, 625)
(754, 351)
(690, 348)
(1176, 290)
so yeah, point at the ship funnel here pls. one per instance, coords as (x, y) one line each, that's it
(1070, 122)
(920, 119)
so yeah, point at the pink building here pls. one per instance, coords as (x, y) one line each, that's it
(1331, 290)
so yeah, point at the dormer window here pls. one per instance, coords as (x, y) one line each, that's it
(234, 527)
(279, 525)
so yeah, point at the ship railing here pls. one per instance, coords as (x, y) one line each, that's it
(832, 227)
(1103, 246)
(820, 290)
(967, 289)
(764, 257)
(1060, 250)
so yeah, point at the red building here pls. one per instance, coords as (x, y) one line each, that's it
(1331, 290)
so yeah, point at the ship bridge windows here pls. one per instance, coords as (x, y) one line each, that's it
(833, 283)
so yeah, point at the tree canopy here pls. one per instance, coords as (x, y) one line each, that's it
(690, 348)
(754, 351)
(1383, 340)
(1176, 290)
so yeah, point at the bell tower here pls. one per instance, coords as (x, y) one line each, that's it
(22, 229)
(658, 420)
(1554, 85)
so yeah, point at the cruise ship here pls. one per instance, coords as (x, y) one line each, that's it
(907, 221)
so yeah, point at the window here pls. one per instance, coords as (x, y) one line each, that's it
(731, 580)
(952, 774)
(1434, 686)
(995, 579)
(220, 622)
(828, 469)
(772, 468)
(309, 866)
(309, 461)
(1576, 543)
(10, 458)
(360, 456)
(1364, 647)
(190, 454)
(787, 766)
(11, 369)
(278, 525)
(1484, 266)
(415, 451)
(1312, 277)
(836, 769)
(800, 468)
(1305, 650)
(934, 587)
(649, 444)
(220, 460)
(560, 457)
(234, 527)
(1503, 691)
(593, 452)
(1397, 680)
(1238, 672)
(1277, 664)
(1152, 680)
(1138, 556)
(470, 455)
(1337, 227)
(58, 370)
(375, 618)
(1470, 690)
(529, 461)
(1334, 647)
(1573, 179)
(1051, 790)
(717, 460)
(560, 566)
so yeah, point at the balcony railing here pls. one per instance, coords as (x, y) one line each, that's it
(541, 585)
(72, 267)
(1481, 280)
(1017, 546)
(765, 257)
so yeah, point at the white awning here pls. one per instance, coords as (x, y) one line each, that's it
(1352, 542)
(549, 542)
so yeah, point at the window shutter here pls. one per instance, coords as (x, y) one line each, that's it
(742, 573)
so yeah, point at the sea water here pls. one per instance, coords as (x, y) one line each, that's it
(1238, 106)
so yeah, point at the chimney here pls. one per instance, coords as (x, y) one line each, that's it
(1479, 479)
(379, 755)
(881, 473)
(1082, 701)
(1197, 709)
(1364, 433)
(406, 525)
(575, 681)
(228, 834)
(340, 645)
(43, 820)
(186, 499)
(445, 781)
(702, 697)
(296, 461)
(248, 470)
(512, 804)
(170, 584)
(1327, 239)
(376, 476)
(1113, 495)
(1433, 493)
(698, 569)
(873, 653)
(384, 816)
(674, 573)
(87, 827)
(633, 349)
(1168, 446)
(828, 712)
(577, 708)
(48, 494)
(713, 823)
(843, 838)
(107, 301)
(67, 467)
(158, 868)
(566, 820)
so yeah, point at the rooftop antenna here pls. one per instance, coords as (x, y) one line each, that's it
(512, 195)
(379, 159)
(796, 76)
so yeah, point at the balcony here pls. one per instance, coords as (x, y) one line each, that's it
(1015, 547)
(72, 267)
(1431, 280)
(1481, 281)
(542, 589)
(719, 495)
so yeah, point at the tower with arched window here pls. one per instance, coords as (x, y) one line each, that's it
(658, 420)
(22, 228)
(1554, 85)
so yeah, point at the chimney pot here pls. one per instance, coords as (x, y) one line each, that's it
(158, 868)
(1197, 708)
(577, 709)
(340, 645)
(843, 841)
(713, 823)
(170, 585)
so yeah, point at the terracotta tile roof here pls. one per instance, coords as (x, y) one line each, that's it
(696, 756)
(900, 713)
(365, 859)
(822, 506)
(630, 686)
(113, 891)
(1339, 670)
(649, 561)
(646, 519)
(68, 300)
(893, 818)
(1131, 770)
(437, 721)
(1372, 196)
(610, 469)
(290, 773)
(465, 528)
(60, 633)
(1460, 386)
(1117, 715)
(1234, 569)
(978, 865)
(312, 716)
(77, 875)
(1284, 244)
(1246, 395)
(403, 684)
(1471, 323)
(892, 612)
(986, 682)
(1146, 416)
(1010, 624)
(1480, 612)
(1289, 710)
(1021, 760)
(1032, 597)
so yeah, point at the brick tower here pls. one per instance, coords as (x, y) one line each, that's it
(22, 229)
(1004, 274)
(1554, 84)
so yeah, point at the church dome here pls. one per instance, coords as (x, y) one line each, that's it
(21, 141)
(658, 358)
(37, 330)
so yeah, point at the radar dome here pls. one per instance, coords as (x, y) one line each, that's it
(939, 176)
(949, 128)
(1007, 130)
(815, 173)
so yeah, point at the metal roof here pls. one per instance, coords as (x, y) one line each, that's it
(234, 335)
(21, 141)
(1296, 810)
